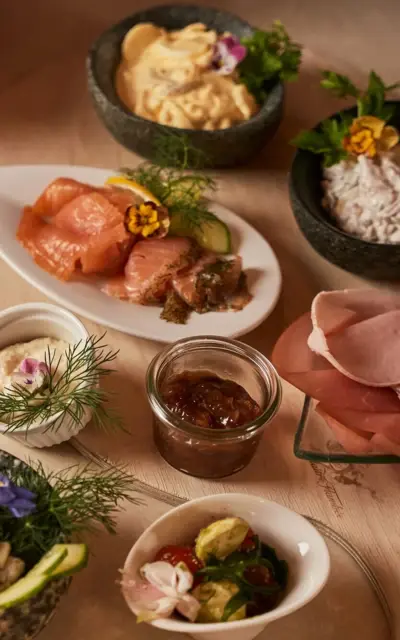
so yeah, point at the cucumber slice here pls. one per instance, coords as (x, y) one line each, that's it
(23, 589)
(50, 561)
(213, 234)
(76, 559)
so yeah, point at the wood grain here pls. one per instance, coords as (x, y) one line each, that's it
(46, 117)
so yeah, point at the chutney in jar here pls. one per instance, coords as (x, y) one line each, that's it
(208, 401)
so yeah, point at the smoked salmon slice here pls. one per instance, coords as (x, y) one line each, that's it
(73, 226)
(150, 268)
(57, 194)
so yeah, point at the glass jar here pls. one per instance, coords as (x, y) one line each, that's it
(199, 451)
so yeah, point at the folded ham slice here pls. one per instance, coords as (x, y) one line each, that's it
(358, 331)
(345, 354)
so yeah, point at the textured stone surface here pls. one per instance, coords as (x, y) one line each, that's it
(368, 259)
(25, 621)
(227, 147)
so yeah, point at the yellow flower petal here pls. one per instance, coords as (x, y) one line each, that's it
(376, 125)
(389, 138)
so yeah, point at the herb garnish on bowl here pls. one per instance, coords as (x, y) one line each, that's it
(64, 395)
(343, 136)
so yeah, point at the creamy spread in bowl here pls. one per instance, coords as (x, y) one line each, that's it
(20, 365)
(363, 196)
(168, 77)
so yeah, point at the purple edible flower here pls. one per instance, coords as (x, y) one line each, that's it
(31, 371)
(18, 500)
(228, 52)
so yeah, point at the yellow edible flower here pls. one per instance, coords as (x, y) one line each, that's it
(368, 135)
(147, 219)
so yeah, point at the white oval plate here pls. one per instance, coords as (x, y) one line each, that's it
(21, 185)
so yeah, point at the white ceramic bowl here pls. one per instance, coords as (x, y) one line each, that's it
(38, 320)
(294, 538)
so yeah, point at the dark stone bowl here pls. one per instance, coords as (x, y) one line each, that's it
(224, 148)
(26, 620)
(369, 259)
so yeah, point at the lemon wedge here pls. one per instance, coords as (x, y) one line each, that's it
(221, 538)
(138, 189)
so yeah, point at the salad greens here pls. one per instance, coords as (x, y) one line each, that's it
(235, 568)
(270, 55)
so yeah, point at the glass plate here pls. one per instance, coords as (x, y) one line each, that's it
(316, 442)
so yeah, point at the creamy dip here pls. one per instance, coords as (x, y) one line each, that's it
(363, 196)
(11, 358)
(166, 77)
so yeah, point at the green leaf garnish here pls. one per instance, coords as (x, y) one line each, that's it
(234, 604)
(340, 85)
(69, 394)
(271, 55)
(327, 140)
(180, 190)
(233, 568)
(68, 503)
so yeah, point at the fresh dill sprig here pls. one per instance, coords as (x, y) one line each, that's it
(68, 504)
(67, 394)
(169, 180)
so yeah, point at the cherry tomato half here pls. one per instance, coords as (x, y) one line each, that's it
(174, 554)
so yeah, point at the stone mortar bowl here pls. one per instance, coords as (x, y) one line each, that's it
(368, 259)
(224, 148)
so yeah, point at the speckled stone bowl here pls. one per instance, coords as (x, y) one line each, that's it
(227, 147)
(371, 260)
(25, 621)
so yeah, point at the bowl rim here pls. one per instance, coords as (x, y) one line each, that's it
(323, 219)
(170, 624)
(268, 106)
(60, 311)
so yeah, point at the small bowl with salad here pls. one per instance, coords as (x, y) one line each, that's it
(42, 518)
(345, 180)
(224, 565)
(194, 70)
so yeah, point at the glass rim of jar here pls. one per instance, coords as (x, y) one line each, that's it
(240, 349)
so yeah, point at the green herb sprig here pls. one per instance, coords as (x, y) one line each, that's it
(270, 55)
(68, 504)
(70, 393)
(168, 178)
(328, 139)
(234, 568)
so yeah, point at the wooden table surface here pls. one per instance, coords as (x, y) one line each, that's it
(46, 117)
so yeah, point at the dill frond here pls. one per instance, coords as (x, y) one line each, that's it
(68, 504)
(181, 191)
(69, 395)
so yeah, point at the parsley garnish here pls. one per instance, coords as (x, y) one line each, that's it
(271, 55)
(328, 139)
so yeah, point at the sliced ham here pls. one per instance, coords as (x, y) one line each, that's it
(361, 416)
(352, 440)
(358, 332)
(316, 377)
(150, 268)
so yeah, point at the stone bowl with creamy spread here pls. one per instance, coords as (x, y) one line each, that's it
(223, 147)
(27, 330)
(363, 249)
